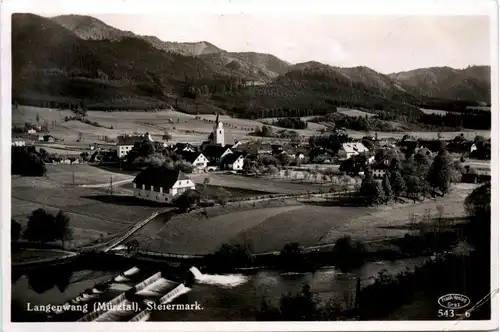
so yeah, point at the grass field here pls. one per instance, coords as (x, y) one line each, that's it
(269, 229)
(258, 184)
(93, 212)
(83, 174)
(353, 113)
(430, 111)
(182, 127)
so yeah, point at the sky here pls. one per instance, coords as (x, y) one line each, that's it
(384, 43)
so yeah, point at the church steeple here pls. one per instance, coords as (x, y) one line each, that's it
(218, 136)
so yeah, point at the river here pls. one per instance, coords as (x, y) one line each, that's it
(222, 297)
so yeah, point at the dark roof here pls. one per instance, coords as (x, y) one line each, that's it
(189, 156)
(214, 151)
(159, 176)
(379, 165)
(231, 158)
(129, 139)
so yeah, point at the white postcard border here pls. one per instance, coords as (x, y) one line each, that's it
(219, 7)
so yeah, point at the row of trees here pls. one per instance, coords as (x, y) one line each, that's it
(472, 120)
(43, 227)
(291, 123)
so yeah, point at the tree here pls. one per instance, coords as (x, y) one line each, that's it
(386, 185)
(41, 227)
(62, 229)
(298, 307)
(15, 230)
(398, 184)
(37, 118)
(413, 187)
(206, 182)
(166, 136)
(284, 159)
(371, 190)
(291, 256)
(187, 200)
(222, 196)
(440, 172)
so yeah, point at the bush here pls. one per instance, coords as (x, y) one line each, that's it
(27, 161)
(348, 254)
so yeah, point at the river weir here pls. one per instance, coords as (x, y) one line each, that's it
(128, 296)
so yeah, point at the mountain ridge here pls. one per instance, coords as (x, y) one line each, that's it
(83, 58)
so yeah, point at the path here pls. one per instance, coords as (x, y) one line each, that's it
(101, 185)
(64, 255)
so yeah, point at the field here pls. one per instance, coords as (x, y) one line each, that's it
(353, 113)
(269, 229)
(182, 127)
(257, 184)
(93, 213)
(430, 111)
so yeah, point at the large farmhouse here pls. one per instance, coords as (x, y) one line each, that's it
(126, 143)
(348, 150)
(159, 184)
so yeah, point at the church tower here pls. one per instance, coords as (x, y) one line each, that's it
(218, 137)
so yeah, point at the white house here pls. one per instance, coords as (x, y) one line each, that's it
(233, 162)
(126, 143)
(379, 170)
(197, 159)
(31, 131)
(159, 184)
(347, 150)
(18, 142)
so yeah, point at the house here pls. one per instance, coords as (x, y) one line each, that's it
(197, 159)
(31, 131)
(212, 166)
(215, 153)
(48, 138)
(379, 170)
(160, 184)
(18, 142)
(347, 150)
(433, 145)
(233, 161)
(300, 156)
(125, 143)
(181, 147)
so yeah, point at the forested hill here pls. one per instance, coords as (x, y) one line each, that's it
(79, 59)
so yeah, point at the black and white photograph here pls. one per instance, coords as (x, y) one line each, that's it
(250, 166)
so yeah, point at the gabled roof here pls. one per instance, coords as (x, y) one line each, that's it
(354, 147)
(159, 176)
(214, 151)
(129, 139)
(231, 158)
(189, 156)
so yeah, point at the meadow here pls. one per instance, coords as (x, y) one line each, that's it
(186, 128)
(268, 229)
(93, 213)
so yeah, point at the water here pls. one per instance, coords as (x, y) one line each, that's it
(222, 297)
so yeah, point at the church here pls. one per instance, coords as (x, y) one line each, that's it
(218, 133)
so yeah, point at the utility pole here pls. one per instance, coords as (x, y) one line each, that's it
(111, 185)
